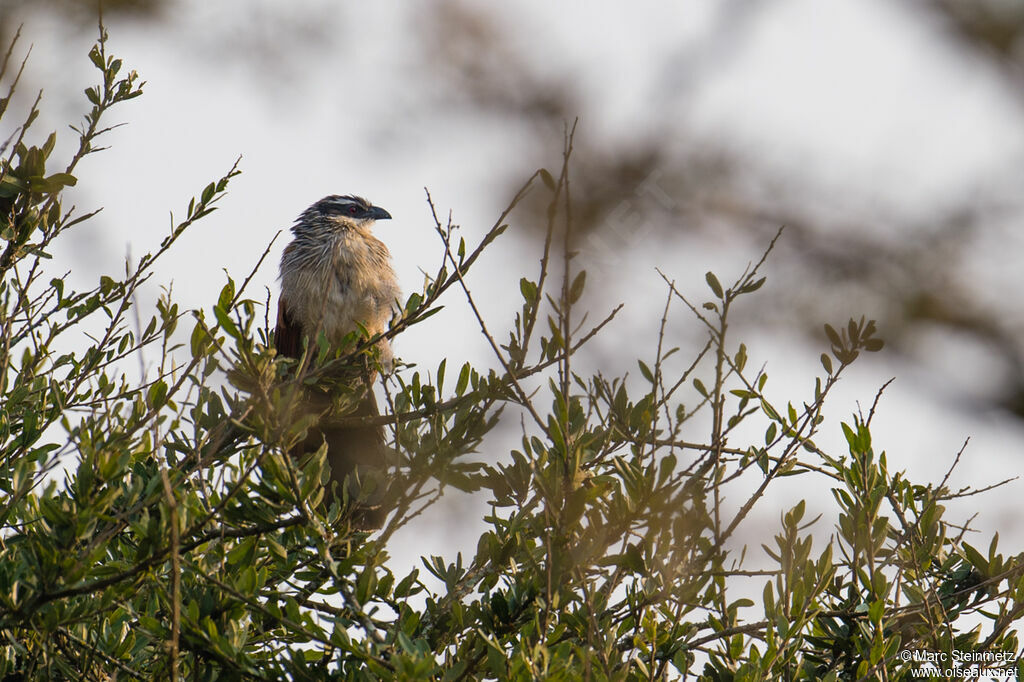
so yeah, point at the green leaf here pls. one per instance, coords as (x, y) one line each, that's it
(463, 382)
(826, 362)
(752, 286)
(276, 548)
(576, 289)
(157, 394)
(11, 186)
(200, 338)
(96, 57)
(413, 303)
(646, 371)
(546, 178)
(528, 289)
(227, 295)
(58, 180)
(406, 586)
(226, 323)
(976, 558)
(243, 552)
(833, 336)
(208, 193)
(741, 358)
(713, 282)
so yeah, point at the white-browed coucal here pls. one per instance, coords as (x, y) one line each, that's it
(335, 277)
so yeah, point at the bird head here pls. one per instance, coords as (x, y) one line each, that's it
(345, 211)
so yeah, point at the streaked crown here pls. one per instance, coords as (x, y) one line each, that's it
(348, 208)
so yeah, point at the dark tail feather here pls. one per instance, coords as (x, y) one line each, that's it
(356, 453)
(352, 446)
(348, 447)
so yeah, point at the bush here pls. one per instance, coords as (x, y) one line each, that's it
(184, 543)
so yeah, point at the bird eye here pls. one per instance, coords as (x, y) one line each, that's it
(352, 209)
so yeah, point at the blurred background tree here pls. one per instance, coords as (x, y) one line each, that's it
(910, 261)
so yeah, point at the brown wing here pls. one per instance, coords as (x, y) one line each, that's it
(288, 335)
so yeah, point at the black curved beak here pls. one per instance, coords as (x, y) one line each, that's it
(378, 213)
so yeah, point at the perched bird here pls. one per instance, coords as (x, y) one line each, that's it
(336, 276)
